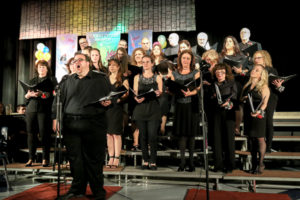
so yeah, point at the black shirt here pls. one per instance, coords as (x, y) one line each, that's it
(77, 94)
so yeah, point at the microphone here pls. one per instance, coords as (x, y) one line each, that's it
(64, 78)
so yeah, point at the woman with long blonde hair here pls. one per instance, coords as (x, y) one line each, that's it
(254, 121)
(263, 58)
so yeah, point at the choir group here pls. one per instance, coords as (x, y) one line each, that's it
(154, 82)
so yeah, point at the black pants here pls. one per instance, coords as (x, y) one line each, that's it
(38, 123)
(224, 139)
(269, 120)
(189, 142)
(85, 140)
(148, 134)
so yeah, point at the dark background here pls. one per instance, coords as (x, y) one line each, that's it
(274, 26)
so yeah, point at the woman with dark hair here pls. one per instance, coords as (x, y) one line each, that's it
(186, 118)
(157, 54)
(255, 122)
(225, 98)
(115, 113)
(38, 111)
(147, 111)
(71, 66)
(123, 57)
(96, 59)
(231, 51)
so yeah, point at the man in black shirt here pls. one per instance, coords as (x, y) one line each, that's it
(84, 127)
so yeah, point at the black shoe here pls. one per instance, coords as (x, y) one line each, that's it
(180, 169)
(70, 196)
(45, 163)
(143, 167)
(29, 163)
(153, 167)
(190, 168)
(217, 170)
(135, 148)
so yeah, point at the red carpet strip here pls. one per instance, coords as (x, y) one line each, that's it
(48, 191)
(194, 194)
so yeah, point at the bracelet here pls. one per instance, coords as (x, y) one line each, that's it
(281, 88)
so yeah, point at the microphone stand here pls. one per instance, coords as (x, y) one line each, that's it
(58, 133)
(204, 135)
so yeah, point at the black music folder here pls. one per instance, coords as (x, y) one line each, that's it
(176, 88)
(150, 94)
(110, 96)
(273, 77)
(233, 63)
(35, 87)
(249, 51)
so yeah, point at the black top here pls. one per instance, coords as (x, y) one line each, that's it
(273, 92)
(77, 93)
(228, 88)
(43, 102)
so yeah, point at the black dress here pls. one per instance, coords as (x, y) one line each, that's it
(114, 114)
(254, 127)
(186, 120)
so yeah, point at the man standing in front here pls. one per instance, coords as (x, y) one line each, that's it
(84, 127)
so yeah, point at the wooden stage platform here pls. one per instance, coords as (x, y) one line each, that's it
(277, 177)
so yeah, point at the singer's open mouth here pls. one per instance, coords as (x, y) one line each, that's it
(78, 66)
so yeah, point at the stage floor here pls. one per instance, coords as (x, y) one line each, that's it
(145, 190)
(141, 184)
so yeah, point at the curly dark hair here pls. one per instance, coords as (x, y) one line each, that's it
(229, 76)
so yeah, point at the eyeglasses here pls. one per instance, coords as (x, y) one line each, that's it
(82, 42)
(79, 59)
(258, 58)
(221, 72)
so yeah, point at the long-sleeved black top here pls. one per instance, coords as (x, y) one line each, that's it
(43, 102)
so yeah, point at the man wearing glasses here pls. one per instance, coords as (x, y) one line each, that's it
(83, 43)
(84, 127)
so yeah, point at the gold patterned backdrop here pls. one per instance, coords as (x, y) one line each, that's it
(48, 18)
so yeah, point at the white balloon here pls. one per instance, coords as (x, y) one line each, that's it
(40, 46)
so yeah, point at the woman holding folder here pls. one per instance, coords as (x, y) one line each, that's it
(224, 101)
(38, 111)
(186, 122)
(255, 96)
(115, 113)
(263, 58)
(147, 111)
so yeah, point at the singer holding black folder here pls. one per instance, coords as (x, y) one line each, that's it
(232, 55)
(38, 112)
(225, 99)
(263, 58)
(254, 119)
(147, 112)
(115, 113)
(84, 126)
(186, 120)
